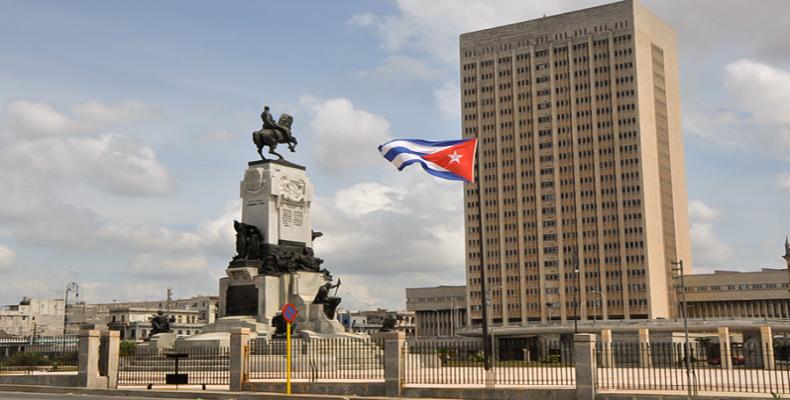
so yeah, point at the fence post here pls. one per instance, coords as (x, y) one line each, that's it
(725, 349)
(393, 367)
(239, 339)
(88, 372)
(112, 354)
(645, 356)
(584, 354)
(767, 341)
(607, 355)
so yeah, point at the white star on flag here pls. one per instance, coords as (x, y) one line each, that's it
(455, 157)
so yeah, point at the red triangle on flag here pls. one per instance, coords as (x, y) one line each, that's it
(458, 159)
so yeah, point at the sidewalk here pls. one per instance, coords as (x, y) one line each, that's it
(181, 393)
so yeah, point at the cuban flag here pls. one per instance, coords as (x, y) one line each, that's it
(449, 159)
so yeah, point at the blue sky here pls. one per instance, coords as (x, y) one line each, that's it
(125, 129)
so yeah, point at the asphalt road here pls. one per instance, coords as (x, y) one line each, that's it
(66, 396)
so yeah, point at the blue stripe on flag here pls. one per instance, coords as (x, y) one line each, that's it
(442, 143)
(395, 151)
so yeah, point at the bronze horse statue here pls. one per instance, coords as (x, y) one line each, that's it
(272, 136)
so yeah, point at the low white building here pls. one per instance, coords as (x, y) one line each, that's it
(33, 317)
(134, 323)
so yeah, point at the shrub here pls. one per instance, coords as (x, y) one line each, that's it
(127, 348)
(23, 359)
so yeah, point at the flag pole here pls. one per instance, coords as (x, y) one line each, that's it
(483, 292)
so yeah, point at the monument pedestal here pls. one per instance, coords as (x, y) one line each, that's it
(275, 263)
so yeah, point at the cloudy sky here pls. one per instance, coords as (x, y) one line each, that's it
(125, 129)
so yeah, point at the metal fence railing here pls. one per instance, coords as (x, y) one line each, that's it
(513, 364)
(314, 360)
(39, 354)
(752, 367)
(202, 365)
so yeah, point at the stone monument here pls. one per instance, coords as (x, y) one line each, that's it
(274, 262)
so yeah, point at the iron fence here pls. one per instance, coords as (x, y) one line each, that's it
(203, 366)
(39, 354)
(751, 367)
(514, 363)
(314, 360)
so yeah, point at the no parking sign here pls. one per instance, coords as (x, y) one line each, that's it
(290, 312)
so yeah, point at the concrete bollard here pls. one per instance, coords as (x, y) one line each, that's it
(584, 350)
(88, 370)
(393, 367)
(607, 354)
(725, 348)
(645, 353)
(767, 342)
(239, 342)
(112, 354)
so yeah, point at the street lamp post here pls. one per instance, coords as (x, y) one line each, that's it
(603, 301)
(677, 267)
(70, 287)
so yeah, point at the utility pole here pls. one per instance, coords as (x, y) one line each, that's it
(577, 289)
(677, 269)
(483, 291)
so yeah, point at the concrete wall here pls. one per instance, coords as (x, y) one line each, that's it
(69, 380)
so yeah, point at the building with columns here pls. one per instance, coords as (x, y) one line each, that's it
(438, 311)
(582, 191)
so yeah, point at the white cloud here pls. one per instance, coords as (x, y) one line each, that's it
(344, 137)
(402, 68)
(432, 28)
(783, 180)
(708, 250)
(113, 162)
(699, 211)
(45, 145)
(403, 234)
(7, 258)
(34, 119)
(161, 265)
(367, 197)
(100, 113)
(448, 100)
(756, 115)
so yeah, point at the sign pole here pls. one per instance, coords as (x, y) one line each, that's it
(288, 358)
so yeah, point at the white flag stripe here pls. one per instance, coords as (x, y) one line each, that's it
(411, 146)
(403, 157)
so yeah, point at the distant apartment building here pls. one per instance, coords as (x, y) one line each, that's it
(581, 167)
(134, 323)
(33, 317)
(438, 311)
(100, 314)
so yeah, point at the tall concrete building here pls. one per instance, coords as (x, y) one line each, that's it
(581, 159)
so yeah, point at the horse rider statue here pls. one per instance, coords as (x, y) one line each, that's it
(273, 133)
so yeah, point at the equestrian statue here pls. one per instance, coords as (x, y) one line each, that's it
(273, 133)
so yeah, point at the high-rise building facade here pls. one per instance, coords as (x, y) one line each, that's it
(581, 160)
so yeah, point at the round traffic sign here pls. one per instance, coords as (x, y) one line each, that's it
(290, 312)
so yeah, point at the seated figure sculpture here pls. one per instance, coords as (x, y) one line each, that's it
(330, 302)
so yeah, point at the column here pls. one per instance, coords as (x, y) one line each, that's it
(607, 355)
(88, 372)
(112, 352)
(584, 350)
(645, 356)
(393, 367)
(239, 340)
(767, 342)
(725, 352)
